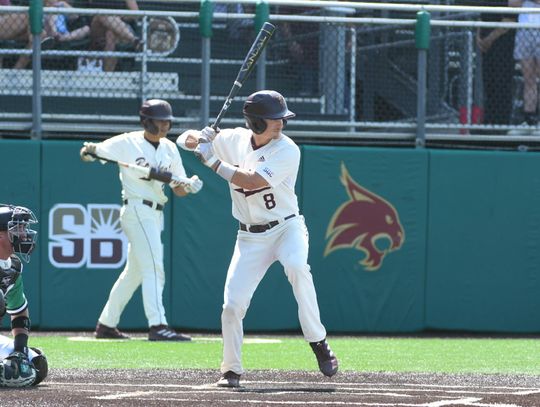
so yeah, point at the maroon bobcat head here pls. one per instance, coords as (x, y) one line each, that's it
(361, 221)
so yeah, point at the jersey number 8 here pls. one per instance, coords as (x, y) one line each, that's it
(269, 201)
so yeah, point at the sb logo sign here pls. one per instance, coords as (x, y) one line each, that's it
(90, 236)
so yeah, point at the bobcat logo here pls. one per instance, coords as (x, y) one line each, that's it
(361, 221)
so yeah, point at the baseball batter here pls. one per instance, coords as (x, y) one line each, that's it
(142, 217)
(261, 165)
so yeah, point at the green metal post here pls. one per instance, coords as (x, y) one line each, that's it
(206, 15)
(35, 17)
(35, 12)
(423, 30)
(262, 14)
(205, 18)
(422, 34)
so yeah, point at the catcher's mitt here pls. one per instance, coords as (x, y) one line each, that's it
(17, 371)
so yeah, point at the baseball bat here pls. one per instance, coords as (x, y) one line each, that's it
(148, 172)
(247, 66)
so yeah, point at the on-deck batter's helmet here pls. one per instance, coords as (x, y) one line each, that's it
(155, 109)
(265, 104)
(17, 221)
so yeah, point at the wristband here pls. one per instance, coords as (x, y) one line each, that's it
(225, 171)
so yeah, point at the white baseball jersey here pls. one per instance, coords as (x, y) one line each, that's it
(277, 162)
(132, 148)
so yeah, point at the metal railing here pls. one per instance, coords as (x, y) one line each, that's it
(365, 70)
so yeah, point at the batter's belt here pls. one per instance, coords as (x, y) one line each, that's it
(263, 228)
(153, 205)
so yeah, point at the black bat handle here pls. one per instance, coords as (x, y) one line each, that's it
(247, 66)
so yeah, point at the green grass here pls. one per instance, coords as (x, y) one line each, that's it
(449, 355)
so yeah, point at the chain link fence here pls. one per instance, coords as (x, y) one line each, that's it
(346, 71)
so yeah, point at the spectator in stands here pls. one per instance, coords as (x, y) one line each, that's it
(57, 24)
(527, 52)
(15, 26)
(107, 31)
(302, 51)
(236, 28)
(496, 46)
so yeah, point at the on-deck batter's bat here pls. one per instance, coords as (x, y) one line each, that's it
(247, 66)
(148, 172)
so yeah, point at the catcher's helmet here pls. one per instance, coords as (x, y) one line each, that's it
(155, 109)
(265, 104)
(17, 221)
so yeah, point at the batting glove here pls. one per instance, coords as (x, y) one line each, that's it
(205, 153)
(209, 134)
(88, 152)
(194, 186)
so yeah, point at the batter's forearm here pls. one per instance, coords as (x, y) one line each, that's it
(243, 178)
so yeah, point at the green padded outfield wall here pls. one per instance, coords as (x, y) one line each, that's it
(401, 240)
(483, 253)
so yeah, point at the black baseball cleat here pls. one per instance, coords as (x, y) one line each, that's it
(106, 332)
(328, 363)
(229, 379)
(164, 333)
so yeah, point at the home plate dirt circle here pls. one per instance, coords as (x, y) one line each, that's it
(157, 387)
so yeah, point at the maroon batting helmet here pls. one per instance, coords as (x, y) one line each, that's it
(265, 104)
(155, 109)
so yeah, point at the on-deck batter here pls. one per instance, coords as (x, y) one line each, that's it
(261, 165)
(142, 218)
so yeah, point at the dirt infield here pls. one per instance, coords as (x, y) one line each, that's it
(275, 388)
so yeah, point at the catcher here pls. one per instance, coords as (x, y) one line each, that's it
(20, 366)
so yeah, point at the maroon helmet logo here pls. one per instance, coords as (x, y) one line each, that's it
(361, 221)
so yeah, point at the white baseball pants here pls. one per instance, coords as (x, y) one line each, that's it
(142, 226)
(253, 254)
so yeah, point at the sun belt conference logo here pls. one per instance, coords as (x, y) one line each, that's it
(363, 220)
(88, 236)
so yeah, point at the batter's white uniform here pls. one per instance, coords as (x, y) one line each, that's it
(142, 222)
(277, 162)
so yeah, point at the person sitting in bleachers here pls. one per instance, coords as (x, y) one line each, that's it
(15, 26)
(107, 31)
(57, 24)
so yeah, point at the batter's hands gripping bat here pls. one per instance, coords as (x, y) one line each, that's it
(247, 66)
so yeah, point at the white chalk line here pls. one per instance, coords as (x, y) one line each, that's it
(473, 402)
(247, 341)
